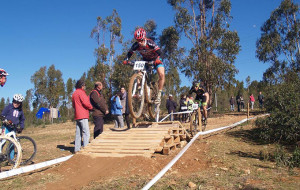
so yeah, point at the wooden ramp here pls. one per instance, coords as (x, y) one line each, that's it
(144, 140)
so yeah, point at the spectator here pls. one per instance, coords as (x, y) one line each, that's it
(252, 100)
(81, 105)
(231, 101)
(13, 112)
(171, 106)
(125, 109)
(190, 102)
(3, 75)
(116, 110)
(183, 108)
(261, 100)
(238, 102)
(99, 108)
(242, 103)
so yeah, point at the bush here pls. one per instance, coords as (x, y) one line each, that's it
(283, 102)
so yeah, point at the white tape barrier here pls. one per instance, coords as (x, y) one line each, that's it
(175, 113)
(32, 167)
(167, 167)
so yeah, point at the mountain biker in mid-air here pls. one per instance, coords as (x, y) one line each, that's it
(3, 75)
(202, 97)
(150, 52)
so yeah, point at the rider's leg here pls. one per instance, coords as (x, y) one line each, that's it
(161, 82)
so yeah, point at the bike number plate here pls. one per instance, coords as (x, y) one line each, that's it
(195, 106)
(139, 65)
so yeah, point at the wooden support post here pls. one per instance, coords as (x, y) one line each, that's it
(200, 119)
(133, 122)
(248, 112)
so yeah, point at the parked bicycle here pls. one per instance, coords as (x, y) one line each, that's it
(195, 116)
(142, 89)
(9, 146)
(27, 144)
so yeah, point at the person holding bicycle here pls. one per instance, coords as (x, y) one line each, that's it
(3, 78)
(150, 52)
(14, 115)
(202, 97)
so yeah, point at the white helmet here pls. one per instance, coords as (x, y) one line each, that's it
(18, 98)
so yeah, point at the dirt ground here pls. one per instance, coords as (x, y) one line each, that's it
(228, 160)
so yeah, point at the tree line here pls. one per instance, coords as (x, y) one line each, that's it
(211, 58)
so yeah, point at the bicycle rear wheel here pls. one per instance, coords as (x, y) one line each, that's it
(9, 149)
(29, 149)
(151, 95)
(136, 96)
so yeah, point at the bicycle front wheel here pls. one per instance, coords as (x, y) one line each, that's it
(136, 96)
(194, 123)
(10, 149)
(29, 149)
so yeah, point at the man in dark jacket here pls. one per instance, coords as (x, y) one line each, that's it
(124, 103)
(171, 106)
(100, 108)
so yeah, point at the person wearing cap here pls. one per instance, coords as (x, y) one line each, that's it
(81, 105)
(3, 78)
(171, 106)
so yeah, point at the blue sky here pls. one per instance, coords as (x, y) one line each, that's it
(37, 33)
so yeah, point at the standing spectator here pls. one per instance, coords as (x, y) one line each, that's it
(231, 101)
(81, 105)
(125, 109)
(252, 100)
(242, 103)
(171, 106)
(190, 102)
(261, 100)
(99, 108)
(116, 110)
(238, 102)
(183, 108)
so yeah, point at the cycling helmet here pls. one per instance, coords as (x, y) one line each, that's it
(3, 72)
(18, 98)
(140, 34)
(196, 84)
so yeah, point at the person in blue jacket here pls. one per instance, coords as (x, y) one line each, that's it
(13, 112)
(116, 110)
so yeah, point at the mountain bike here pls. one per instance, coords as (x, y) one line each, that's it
(195, 117)
(142, 89)
(27, 144)
(8, 146)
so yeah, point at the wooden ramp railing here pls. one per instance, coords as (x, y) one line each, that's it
(144, 140)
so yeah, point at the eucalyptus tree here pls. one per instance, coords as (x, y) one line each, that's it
(171, 58)
(48, 86)
(279, 42)
(214, 46)
(111, 26)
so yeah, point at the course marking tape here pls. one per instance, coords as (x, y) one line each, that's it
(33, 167)
(170, 164)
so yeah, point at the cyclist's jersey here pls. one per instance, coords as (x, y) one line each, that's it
(200, 94)
(149, 52)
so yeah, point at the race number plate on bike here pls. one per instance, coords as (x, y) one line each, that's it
(139, 65)
(195, 106)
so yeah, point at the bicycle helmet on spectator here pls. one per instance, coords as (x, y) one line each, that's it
(18, 98)
(140, 34)
(3, 72)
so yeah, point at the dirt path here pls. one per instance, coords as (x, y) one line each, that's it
(225, 161)
(80, 170)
